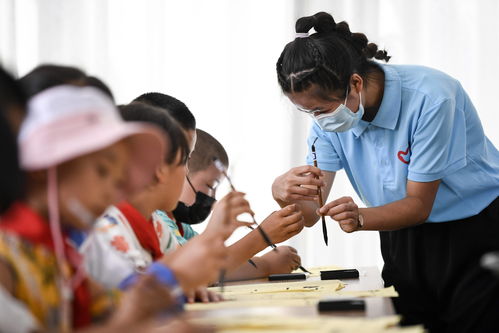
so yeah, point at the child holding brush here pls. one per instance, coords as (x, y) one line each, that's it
(194, 206)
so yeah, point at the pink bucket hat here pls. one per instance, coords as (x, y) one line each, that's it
(65, 122)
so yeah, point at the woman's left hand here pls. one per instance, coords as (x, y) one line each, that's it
(343, 210)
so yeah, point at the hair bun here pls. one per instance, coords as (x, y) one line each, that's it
(372, 51)
(322, 22)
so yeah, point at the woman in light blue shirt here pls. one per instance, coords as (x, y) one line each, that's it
(413, 147)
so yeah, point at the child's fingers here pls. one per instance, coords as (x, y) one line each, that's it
(296, 259)
(203, 295)
(293, 218)
(244, 223)
(286, 211)
(214, 297)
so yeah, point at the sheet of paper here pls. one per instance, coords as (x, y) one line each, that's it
(255, 303)
(279, 323)
(385, 292)
(316, 271)
(281, 290)
(293, 299)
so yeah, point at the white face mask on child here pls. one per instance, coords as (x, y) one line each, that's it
(340, 120)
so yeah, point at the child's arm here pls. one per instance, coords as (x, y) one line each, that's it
(285, 260)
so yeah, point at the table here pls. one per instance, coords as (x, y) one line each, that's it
(369, 279)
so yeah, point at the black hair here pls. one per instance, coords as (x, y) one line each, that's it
(92, 81)
(137, 111)
(178, 110)
(46, 76)
(207, 148)
(12, 179)
(327, 58)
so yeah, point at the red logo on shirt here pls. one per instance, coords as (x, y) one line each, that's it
(159, 229)
(120, 243)
(404, 156)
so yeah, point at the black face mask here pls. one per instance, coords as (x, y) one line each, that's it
(197, 212)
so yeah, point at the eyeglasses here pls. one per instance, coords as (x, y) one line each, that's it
(315, 111)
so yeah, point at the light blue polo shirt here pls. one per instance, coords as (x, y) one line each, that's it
(426, 129)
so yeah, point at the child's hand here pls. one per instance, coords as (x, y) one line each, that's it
(143, 301)
(224, 218)
(198, 262)
(202, 294)
(284, 223)
(283, 261)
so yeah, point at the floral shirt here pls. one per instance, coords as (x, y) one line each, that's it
(123, 242)
(26, 247)
(183, 235)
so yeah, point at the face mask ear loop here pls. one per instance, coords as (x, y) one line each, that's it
(192, 186)
(346, 97)
(55, 229)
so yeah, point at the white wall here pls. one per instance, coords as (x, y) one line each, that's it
(219, 58)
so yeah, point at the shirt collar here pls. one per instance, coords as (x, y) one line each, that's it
(143, 229)
(389, 110)
(23, 221)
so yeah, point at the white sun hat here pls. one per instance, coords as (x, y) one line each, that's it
(66, 122)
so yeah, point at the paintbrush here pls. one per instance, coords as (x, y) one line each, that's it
(319, 192)
(221, 167)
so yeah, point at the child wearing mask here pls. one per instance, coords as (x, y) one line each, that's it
(198, 196)
(280, 225)
(127, 237)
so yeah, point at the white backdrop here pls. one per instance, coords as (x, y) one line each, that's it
(219, 58)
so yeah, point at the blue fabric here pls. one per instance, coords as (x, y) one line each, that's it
(77, 236)
(188, 231)
(426, 129)
(164, 275)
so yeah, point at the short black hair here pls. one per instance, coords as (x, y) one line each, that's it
(137, 111)
(12, 180)
(206, 150)
(177, 109)
(47, 76)
(11, 93)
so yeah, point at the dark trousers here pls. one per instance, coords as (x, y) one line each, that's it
(435, 267)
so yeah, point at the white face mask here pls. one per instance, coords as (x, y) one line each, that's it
(340, 120)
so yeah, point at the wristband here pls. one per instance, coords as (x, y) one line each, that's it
(165, 276)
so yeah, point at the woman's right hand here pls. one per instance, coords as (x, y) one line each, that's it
(298, 184)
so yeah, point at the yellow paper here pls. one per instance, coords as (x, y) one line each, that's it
(282, 290)
(302, 293)
(385, 292)
(253, 303)
(316, 271)
(279, 323)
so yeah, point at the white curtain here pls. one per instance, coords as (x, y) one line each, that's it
(219, 58)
